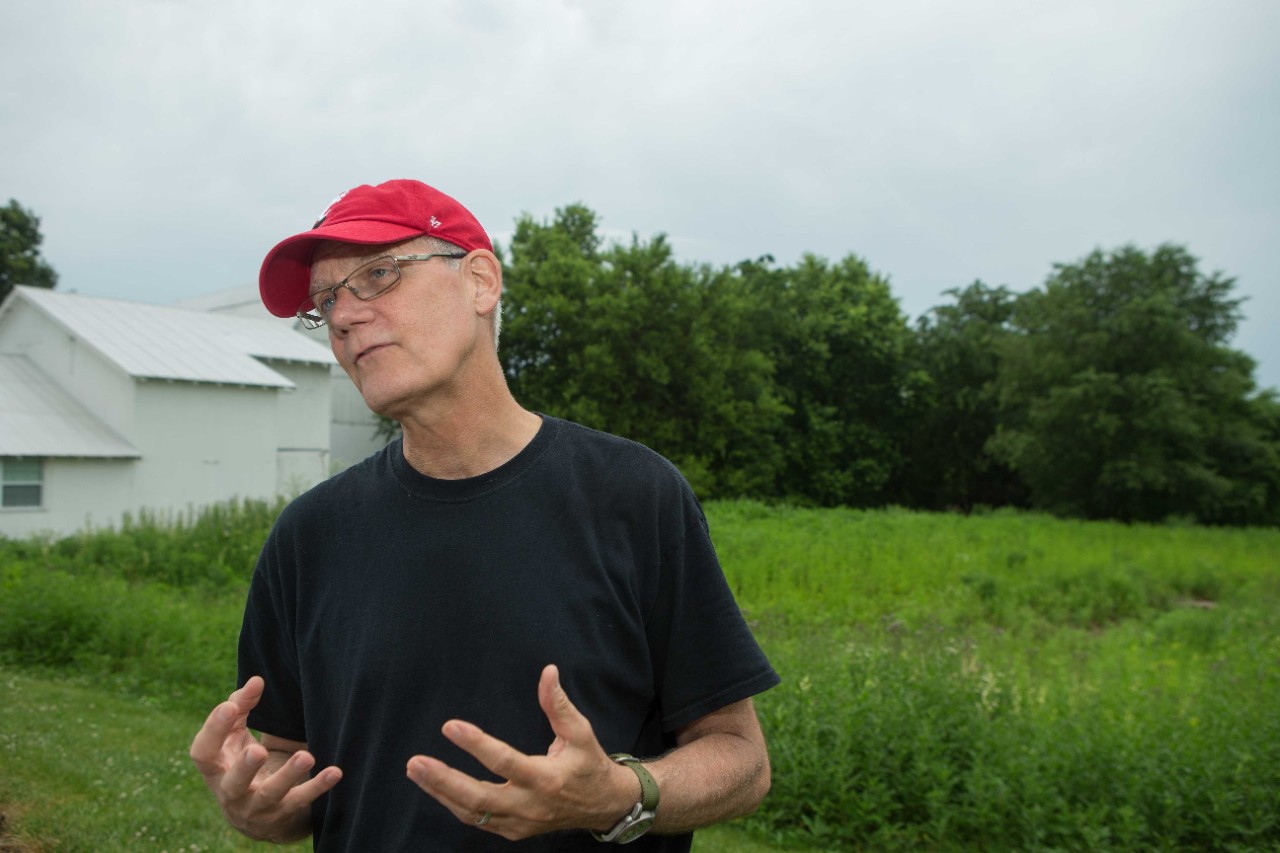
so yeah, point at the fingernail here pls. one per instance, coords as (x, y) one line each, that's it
(225, 713)
(253, 759)
(461, 729)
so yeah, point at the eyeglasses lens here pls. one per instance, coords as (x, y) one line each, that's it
(366, 282)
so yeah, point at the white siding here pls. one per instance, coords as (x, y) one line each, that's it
(353, 431)
(78, 494)
(298, 470)
(213, 407)
(97, 384)
(203, 444)
(302, 458)
(38, 418)
(303, 411)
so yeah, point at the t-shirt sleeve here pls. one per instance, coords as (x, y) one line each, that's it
(266, 648)
(705, 656)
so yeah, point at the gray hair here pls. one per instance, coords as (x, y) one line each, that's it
(435, 244)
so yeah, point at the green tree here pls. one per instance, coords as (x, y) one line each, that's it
(958, 347)
(20, 261)
(551, 275)
(625, 339)
(1120, 397)
(838, 341)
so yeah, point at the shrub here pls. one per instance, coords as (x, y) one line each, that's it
(145, 638)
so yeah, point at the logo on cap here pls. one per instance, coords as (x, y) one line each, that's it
(435, 223)
(325, 215)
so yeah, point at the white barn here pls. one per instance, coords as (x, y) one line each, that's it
(108, 407)
(353, 429)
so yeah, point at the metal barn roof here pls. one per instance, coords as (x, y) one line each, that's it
(161, 342)
(243, 300)
(37, 418)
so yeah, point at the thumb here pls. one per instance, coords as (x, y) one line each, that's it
(248, 696)
(566, 720)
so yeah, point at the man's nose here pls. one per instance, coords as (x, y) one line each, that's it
(347, 307)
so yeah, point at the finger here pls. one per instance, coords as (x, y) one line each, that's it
(498, 756)
(206, 747)
(566, 720)
(301, 796)
(459, 793)
(226, 716)
(236, 781)
(248, 696)
(295, 770)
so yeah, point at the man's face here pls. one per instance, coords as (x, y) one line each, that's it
(410, 344)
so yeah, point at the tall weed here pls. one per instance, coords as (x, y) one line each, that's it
(210, 547)
(999, 682)
(890, 738)
(145, 638)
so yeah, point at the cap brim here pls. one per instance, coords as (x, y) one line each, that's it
(285, 277)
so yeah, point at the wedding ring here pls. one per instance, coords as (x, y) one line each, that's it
(484, 818)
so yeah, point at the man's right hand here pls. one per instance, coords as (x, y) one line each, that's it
(264, 789)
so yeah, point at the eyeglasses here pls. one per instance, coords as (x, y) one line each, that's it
(368, 281)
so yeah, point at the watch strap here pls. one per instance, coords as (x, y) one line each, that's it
(637, 821)
(648, 785)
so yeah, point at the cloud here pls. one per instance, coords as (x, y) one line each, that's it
(167, 144)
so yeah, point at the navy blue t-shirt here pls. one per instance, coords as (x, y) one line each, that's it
(386, 602)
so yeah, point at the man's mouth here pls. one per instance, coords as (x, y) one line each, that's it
(367, 350)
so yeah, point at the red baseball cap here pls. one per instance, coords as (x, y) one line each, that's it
(388, 213)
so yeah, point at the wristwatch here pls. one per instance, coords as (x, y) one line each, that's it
(640, 818)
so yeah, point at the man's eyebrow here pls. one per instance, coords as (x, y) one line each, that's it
(320, 287)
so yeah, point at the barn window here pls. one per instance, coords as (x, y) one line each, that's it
(21, 483)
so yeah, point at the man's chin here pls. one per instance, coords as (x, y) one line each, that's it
(384, 404)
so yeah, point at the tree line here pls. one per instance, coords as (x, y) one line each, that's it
(1110, 391)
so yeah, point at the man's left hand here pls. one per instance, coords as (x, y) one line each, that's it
(574, 786)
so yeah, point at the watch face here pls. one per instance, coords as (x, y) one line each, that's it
(637, 829)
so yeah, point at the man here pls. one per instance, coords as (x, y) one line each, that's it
(503, 625)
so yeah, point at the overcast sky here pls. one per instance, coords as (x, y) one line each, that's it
(166, 145)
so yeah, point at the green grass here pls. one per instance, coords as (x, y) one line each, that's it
(995, 682)
(88, 769)
(1013, 681)
(731, 839)
(856, 567)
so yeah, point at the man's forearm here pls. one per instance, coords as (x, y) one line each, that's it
(715, 778)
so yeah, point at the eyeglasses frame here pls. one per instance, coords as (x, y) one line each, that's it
(307, 316)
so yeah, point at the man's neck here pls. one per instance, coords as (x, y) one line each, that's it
(468, 441)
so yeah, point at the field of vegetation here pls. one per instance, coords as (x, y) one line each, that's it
(986, 682)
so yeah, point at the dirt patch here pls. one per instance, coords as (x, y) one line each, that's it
(9, 844)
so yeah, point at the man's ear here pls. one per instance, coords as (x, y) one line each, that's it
(485, 272)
